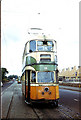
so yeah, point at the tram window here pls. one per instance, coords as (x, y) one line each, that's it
(45, 77)
(32, 45)
(45, 59)
(50, 43)
(56, 58)
(44, 45)
(39, 43)
(33, 77)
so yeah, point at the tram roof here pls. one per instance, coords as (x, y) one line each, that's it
(42, 37)
(38, 34)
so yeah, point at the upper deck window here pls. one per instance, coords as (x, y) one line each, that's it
(32, 46)
(44, 45)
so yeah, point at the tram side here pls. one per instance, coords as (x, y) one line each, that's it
(39, 74)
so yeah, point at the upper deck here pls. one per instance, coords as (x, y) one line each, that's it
(38, 41)
(39, 48)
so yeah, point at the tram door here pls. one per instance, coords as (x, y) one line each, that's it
(27, 85)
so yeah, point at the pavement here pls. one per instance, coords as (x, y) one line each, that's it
(13, 105)
(6, 98)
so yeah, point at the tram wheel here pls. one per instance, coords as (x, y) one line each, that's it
(56, 103)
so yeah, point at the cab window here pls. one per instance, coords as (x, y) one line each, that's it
(33, 76)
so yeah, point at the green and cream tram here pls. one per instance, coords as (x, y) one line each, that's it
(39, 73)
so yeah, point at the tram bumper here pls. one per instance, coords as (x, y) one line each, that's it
(53, 103)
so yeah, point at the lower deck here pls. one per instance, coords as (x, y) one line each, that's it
(41, 91)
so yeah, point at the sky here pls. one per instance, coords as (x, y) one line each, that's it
(60, 18)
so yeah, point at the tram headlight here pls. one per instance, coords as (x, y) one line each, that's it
(46, 89)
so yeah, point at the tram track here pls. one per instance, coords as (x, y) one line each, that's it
(34, 110)
(11, 101)
(9, 107)
(68, 113)
(41, 113)
(65, 113)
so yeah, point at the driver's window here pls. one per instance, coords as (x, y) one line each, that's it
(33, 77)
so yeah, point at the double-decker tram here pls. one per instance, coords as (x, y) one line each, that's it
(39, 73)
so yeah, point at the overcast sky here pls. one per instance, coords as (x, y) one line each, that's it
(58, 17)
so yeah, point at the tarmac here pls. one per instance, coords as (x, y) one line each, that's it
(7, 96)
(70, 88)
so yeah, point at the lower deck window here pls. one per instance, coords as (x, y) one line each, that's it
(45, 77)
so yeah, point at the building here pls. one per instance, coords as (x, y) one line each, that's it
(70, 74)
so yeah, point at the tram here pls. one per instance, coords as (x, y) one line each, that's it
(39, 69)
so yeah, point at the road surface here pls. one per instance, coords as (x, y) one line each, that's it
(6, 85)
(13, 106)
(70, 99)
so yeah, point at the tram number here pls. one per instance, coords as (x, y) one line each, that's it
(45, 68)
